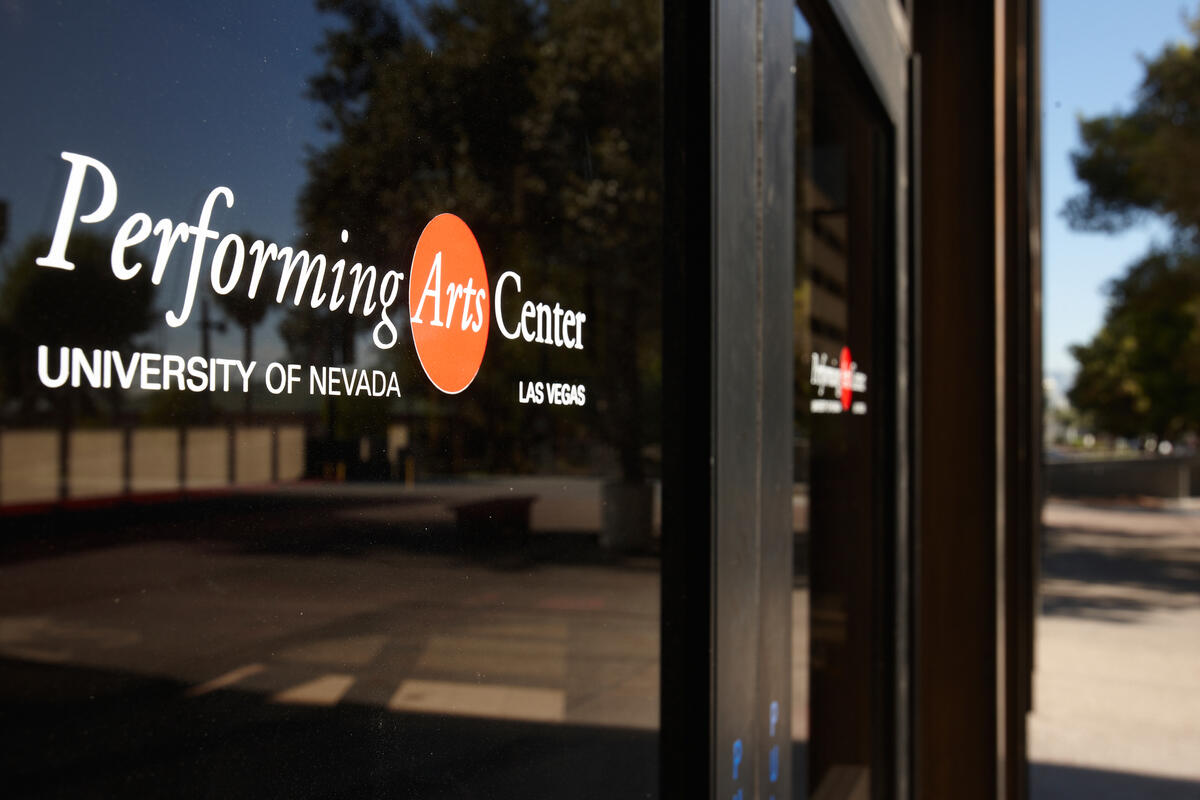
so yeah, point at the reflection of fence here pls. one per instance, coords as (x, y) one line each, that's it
(1152, 477)
(47, 465)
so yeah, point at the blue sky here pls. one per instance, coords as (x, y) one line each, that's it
(1090, 66)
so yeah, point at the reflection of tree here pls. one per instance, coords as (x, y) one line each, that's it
(85, 307)
(1141, 372)
(248, 312)
(536, 123)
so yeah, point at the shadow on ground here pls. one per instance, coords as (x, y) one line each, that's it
(1052, 781)
(1092, 568)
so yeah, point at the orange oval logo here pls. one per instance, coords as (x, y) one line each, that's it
(448, 308)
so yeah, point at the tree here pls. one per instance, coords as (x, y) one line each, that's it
(1145, 161)
(1141, 372)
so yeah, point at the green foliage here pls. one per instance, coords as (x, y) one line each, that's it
(1145, 161)
(1141, 372)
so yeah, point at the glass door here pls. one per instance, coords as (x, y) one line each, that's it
(844, 348)
(330, 399)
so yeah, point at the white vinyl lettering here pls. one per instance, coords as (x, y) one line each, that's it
(57, 257)
(367, 292)
(128, 237)
(540, 322)
(433, 288)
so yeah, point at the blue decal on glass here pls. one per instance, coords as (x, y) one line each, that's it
(737, 795)
(774, 715)
(774, 763)
(737, 757)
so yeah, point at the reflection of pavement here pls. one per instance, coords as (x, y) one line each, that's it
(416, 632)
(800, 710)
(1117, 681)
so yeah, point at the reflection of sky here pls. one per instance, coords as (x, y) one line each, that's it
(176, 99)
(801, 31)
(179, 98)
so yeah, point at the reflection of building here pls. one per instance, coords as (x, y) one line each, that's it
(827, 266)
(45, 466)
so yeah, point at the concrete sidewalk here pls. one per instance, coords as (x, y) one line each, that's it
(1117, 680)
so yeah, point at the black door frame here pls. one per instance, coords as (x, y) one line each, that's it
(728, 276)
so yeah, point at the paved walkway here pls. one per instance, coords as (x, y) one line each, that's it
(1117, 683)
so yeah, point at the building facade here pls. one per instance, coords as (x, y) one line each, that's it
(494, 398)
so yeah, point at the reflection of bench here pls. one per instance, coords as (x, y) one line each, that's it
(496, 516)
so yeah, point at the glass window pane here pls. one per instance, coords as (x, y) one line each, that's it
(330, 428)
(844, 210)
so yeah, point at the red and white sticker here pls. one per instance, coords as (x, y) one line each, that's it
(843, 377)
